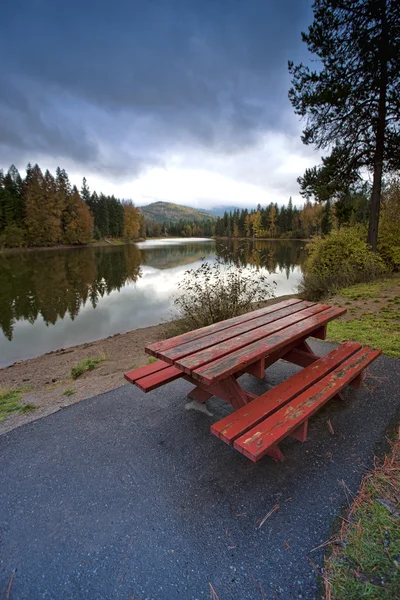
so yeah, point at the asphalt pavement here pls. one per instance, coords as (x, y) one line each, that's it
(128, 496)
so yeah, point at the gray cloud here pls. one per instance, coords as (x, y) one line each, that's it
(112, 86)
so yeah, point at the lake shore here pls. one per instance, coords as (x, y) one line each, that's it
(47, 378)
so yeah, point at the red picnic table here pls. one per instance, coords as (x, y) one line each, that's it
(214, 357)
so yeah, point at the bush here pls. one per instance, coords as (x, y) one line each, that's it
(215, 292)
(340, 259)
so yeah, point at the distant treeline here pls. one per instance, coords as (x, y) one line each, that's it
(181, 228)
(291, 222)
(45, 210)
(273, 221)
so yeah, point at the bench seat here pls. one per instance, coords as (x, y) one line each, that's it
(257, 428)
(152, 376)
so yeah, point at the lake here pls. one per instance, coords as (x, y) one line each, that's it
(52, 299)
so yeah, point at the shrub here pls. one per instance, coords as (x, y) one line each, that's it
(215, 292)
(340, 259)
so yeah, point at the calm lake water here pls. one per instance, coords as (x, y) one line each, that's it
(57, 298)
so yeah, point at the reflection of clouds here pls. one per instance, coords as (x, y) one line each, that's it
(147, 301)
(170, 242)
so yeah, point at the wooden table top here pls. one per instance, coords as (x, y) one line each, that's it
(213, 353)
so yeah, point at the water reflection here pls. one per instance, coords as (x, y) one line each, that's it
(55, 298)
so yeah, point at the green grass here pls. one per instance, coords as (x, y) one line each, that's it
(151, 359)
(69, 392)
(366, 563)
(88, 364)
(366, 290)
(10, 402)
(380, 330)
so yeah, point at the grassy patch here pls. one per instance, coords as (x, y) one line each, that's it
(10, 402)
(88, 364)
(379, 331)
(69, 392)
(364, 560)
(151, 359)
(373, 315)
(367, 290)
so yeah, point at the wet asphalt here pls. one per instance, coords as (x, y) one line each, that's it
(128, 496)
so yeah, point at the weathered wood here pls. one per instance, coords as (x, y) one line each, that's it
(300, 358)
(172, 355)
(275, 453)
(159, 347)
(233, 426)
(320, 333)
(200, 395)
(228, 390)
(194, 361)
(257, 369)
(300, 433)
(140, 372)
(155, 380)
(238, 360)
(255, 443)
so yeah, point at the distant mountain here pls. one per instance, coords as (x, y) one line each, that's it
(164, 212)
(218, 211)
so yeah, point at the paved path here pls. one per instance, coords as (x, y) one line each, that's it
(128, 496)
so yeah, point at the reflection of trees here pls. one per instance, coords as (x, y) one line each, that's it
(54, 283)
(274, 255)
(168, 257)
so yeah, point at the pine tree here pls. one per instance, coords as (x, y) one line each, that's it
(352, 100)
(326, 224)
(36, 215)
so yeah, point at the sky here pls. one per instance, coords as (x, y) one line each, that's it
(176, 100)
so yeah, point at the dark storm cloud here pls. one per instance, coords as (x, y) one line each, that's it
(114, 84)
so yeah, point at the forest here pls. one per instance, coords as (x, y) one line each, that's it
(41, 210)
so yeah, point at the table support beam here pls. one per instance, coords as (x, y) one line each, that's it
(228, 390)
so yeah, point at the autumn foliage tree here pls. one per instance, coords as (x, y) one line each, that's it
(43, 210)
(132, 221)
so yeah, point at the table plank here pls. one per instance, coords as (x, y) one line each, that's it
(158, 348)
(204, 342)
(238, 423)
(255, 443)
(217, 351)
(238, 360)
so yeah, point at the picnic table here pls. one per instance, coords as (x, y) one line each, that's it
(213, 358)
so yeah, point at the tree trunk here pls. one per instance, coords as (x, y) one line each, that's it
(380, 137)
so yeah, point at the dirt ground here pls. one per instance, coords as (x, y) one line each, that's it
(48, 377)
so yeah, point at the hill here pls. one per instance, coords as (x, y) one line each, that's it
(168, 212)
(218, 211)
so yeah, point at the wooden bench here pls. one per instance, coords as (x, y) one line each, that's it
(152, 376)
(256, 429)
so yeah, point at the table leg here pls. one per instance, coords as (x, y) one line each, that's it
(228, 390)
(257, 369)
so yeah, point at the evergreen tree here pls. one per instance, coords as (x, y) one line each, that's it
(326, 224)
(352, 101)
(36, 215)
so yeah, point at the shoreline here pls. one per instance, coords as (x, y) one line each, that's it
(47, 377)
(119, 242)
